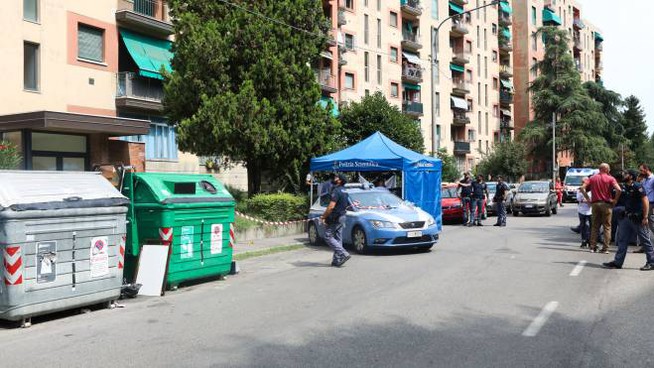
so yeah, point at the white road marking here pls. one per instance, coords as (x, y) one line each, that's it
(535, 326)
(578, 268)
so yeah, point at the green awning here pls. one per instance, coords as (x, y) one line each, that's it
(506, 33)
(550, 17)
(150, 54)
(456, 8)
(457, 68)
(598, 37)
(324, 102)
(413, 87)
(506, 83)
(505, 7)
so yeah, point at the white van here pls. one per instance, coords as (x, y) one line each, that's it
(573, 180)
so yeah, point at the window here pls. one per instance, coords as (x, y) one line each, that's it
(366, 66)
(494, 55)
(349, 81)
(379, 31)
(478, 65)
(366, 29)
(479, 121)
(496, 111)
(496, 84)
(31, 10)
(534, 19)
(486, 98)
(534, 42)
(437, 104)
(485, 9)
(478, 36)
(485, 39)
(485, 66)
(494, 28)
(471, 135)
(486, 124)
(31, 66)
(349, 4)
(476, 6)
(366, 92)
(395, 90)
(468, 75)
(379, 69)
(434, 9)
(90, 43)
(469, 104)
(534, 67)
(365, 3)
(487, 148)
(479, 146)
(479, 93)
(468, 47)
(378, 5)
(349, 41)
(394, 55)
(393, 19)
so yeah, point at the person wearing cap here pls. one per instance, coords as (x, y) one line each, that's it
(501, 193)
(602, 185)
(634, 220)
(465, 192)
(334, 219)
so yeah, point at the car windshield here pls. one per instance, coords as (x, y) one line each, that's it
(448, 193)
(492, 187)
(371, 200)
(534, 188)
(574, 180)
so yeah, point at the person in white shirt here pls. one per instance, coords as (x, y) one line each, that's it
(585, 213)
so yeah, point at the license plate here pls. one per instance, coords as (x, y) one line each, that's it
(413, 234)
(529, 206)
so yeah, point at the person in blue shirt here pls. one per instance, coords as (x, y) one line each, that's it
(334, 219)
(648, 186)
(634, 220)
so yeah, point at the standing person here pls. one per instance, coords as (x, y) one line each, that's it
(584, 210)
(479, 192)
(501, 192)
(334, 219)
(648, 186)
(634, 220)
(602, 204)
(465, 190)
(559, 192)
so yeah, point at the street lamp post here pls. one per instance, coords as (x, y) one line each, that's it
(434, 60)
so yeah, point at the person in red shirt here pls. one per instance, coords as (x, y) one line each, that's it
(559, 192)
(602, 185)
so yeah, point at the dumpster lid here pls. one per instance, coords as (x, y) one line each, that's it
(47, 190)
(167, 188)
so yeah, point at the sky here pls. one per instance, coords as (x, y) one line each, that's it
(628, 30)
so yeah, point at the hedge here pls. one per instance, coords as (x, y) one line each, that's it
(277, 207)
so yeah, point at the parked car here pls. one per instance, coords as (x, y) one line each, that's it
(534, 197)
(492, 188)
(377, 218)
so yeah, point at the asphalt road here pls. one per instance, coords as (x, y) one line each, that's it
(484, 297)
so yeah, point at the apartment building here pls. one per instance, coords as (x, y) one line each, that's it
(83, 85)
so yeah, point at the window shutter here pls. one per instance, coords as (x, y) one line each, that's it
(90, 43)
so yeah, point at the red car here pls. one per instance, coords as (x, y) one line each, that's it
(451, 204)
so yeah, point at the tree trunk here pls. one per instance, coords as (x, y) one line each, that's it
(254, 176)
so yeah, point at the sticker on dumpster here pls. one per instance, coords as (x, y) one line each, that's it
(186, 242)
(46, 258)
(216, 238)
(99, 256)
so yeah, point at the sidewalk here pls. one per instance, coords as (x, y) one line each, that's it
(268, 243)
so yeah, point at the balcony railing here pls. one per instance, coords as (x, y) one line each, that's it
(146, 16)
(459, 27)
(460, 118)
(412, 74)
(506, 71)
(131, 85)
(412, 7)
(505, 19)
(412, 108)
(461, 57)
(506, 97)
(326, 80)
(506, 124)
(411, 40)
(460, 86)
(461, 147)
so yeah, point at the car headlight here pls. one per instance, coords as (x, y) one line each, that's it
(431, 221)
(382, 224)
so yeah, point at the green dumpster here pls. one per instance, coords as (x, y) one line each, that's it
(192, 214)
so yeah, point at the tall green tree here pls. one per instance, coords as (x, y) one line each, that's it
(243, 86)
(635, 124)
(611, 103)
(375, 113)
(558, 90)
(508, 159)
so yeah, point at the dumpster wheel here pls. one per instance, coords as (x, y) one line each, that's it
(26, 322)
(111, 304)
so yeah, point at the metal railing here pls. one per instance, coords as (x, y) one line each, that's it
(506, 96)
(411, 72)
(151, 8)
(414, 4)
(461, 117)
(129, 84)
(412, 107)
(325, 78)
(462, 147)
(461, 84)
(505, 18)
(505, 69)
(411, 36)
(462, 55)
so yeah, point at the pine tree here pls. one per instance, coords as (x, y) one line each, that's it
(635, 124)
(243, 86)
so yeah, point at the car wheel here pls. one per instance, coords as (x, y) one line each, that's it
(359, 240)
(314, 238)
(548, 210)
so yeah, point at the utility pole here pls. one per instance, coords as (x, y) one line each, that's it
(554, 147)
(434, 61)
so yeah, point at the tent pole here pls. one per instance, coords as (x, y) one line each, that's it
(311, 189)
(403, 186)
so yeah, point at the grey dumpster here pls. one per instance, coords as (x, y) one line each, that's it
(62, 241)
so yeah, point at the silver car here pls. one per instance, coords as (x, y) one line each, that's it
(534, 197)
(492, 208)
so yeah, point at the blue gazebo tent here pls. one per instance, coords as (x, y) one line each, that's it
(421, 174)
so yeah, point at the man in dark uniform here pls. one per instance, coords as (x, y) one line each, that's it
(334, 219)
(634, 220)
(500, 196)
(465, 190)
(479, 192)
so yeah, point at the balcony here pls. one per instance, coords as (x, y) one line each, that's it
(411, 74)
(411, 41)
(411, 7)
(578, 24)
(506, 71)
(599, 65)
(459, 28)
(460, 2)
(506, 125)
(146, 16)
(460, 87)
(506, 46)
(341, 18)
(576, 41)
(461, 148)
(505, 19)
(460, 118)
(461, 57)
(598, 46)
(138, 93)
(412, 108)
(506, 97)
(326, 80)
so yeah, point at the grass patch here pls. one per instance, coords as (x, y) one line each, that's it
(242, 223)
(268, 251)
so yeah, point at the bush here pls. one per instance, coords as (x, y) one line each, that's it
(277, 207)
(10, 157)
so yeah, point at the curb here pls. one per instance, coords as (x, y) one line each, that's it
(268, 251)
